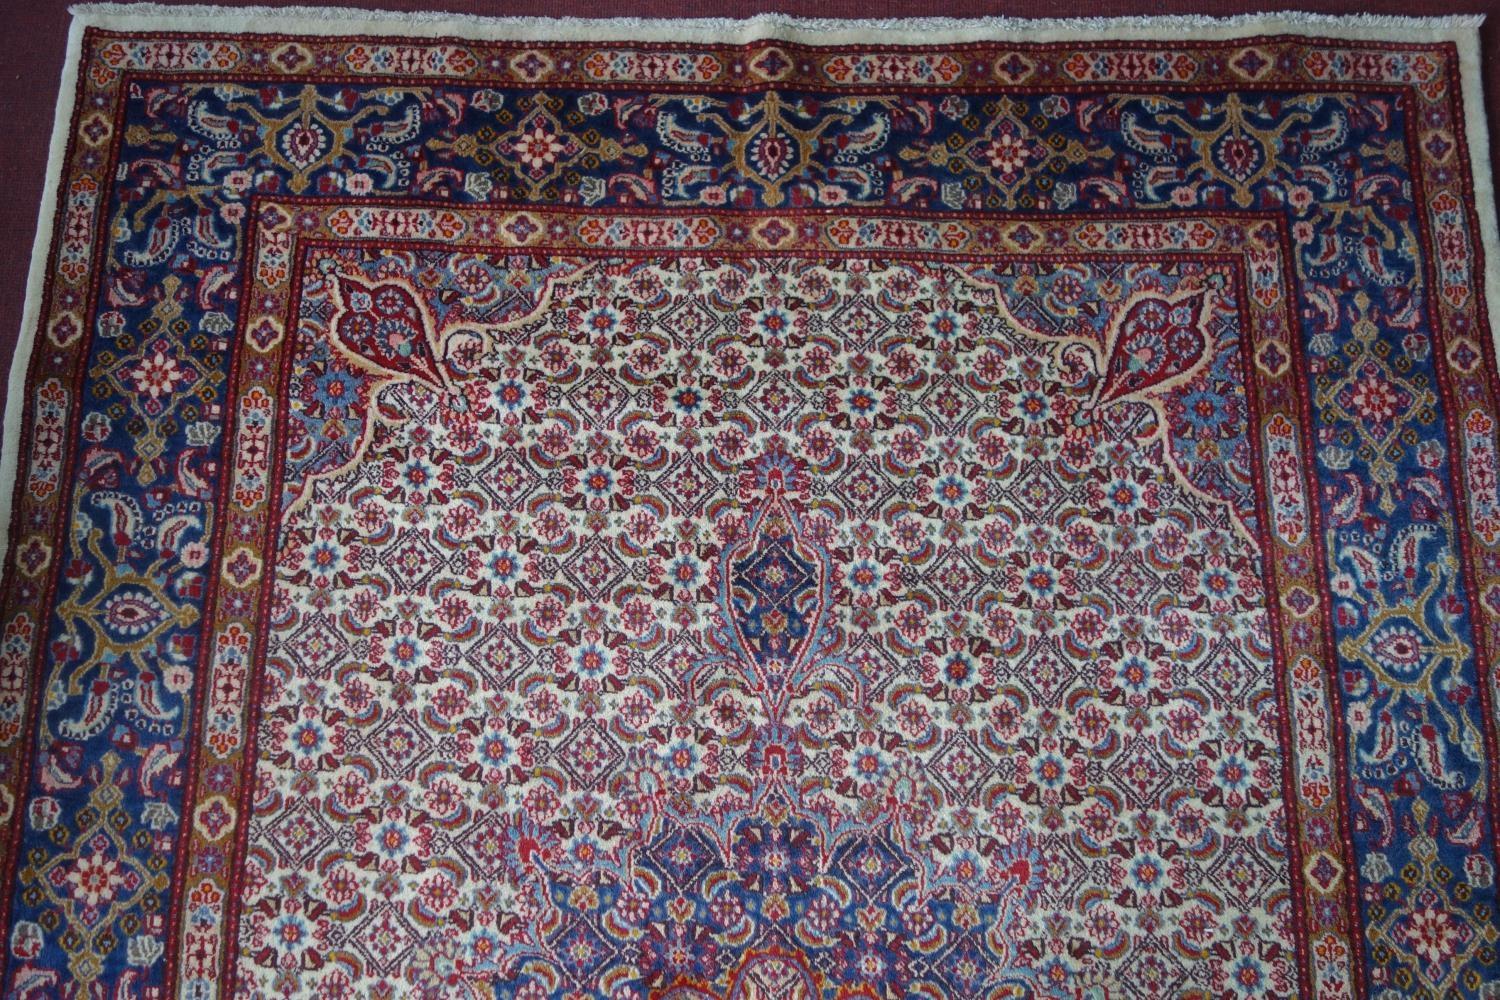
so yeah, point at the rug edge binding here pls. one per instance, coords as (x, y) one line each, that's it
(48, 214)
(313, 19)
(1481, 176)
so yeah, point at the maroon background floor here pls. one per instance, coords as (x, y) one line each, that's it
(34, 36)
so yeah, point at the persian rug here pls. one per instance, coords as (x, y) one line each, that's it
(546, 509)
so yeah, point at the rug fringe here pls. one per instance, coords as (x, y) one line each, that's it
(773, 23)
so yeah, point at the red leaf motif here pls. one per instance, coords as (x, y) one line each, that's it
(384, 325)
(1157, 341)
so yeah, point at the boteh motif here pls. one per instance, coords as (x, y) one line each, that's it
(695, 520)
(382, 326)
(1155, 343)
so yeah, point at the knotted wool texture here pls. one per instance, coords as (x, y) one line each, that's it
(747, 510)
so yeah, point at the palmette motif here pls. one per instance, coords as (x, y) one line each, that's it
(749, 578)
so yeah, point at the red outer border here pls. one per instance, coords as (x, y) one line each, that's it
(13, 831)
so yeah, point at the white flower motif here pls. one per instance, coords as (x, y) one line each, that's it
(96, 879)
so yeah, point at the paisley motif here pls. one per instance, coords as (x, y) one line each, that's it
(1157, 342)
(382, 325)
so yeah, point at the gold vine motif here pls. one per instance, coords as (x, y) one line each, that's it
(307, 137)
(1235, 152)
(769, 150)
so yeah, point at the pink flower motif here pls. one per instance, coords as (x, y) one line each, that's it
(158, 375)
(1374, 400)
(1432, 933)
(1006, 153)
(96, 879)
(538, 149)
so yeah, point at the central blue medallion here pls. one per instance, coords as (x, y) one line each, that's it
(775, 586)
(773, 590)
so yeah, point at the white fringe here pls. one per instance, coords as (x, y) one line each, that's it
(774, 17)
(930, 30)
